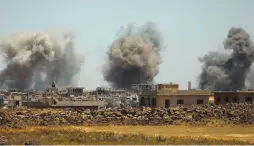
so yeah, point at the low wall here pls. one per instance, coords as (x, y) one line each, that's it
(77, 107)
(42, 105)
(229, 113)
(34, 104)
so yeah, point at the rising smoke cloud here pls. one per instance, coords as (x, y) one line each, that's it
(229, 69)
(34, 59)
(134, 57)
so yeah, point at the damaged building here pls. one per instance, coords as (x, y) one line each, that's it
(52, 97)
(117, 97)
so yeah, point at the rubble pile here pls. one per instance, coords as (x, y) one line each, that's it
(242, 113)
(3, 140)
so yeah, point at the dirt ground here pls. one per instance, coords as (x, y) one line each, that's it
(222, 132)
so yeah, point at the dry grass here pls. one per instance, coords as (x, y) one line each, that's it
(132, 135)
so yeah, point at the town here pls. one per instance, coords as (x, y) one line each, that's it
(141, 95)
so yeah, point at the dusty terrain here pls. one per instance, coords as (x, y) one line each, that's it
(230, 113)
(208, 124)
(131, 135)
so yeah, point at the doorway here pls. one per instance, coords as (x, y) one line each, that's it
(16, 103)
(167, 103)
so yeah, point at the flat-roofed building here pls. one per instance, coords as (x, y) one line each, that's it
(168, 87)
(169, 95)
(168, 98)
(223, 97)
(147, 98)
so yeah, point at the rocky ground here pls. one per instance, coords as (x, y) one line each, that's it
(234, 113)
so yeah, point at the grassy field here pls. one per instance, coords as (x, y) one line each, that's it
(132, 135)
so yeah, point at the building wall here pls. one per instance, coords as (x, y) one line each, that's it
(14, 103)
(169, 87)
(147, 101)
(232, 97)
(188, 100)
(1, 100)
(35, 104)
(147, 98)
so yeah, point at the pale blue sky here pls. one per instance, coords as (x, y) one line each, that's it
(190, 28)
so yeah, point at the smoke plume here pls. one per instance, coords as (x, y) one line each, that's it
(228, 70)
(134, 57)
(34, 59)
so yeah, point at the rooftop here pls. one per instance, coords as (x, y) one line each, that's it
(148, 92)
(74, 87)
(167, 84)
(184, 92)
(234, 92)
(79, 103)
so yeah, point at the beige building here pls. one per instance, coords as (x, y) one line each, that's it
(168, 87)
(169, 95)
(222, 97)
(168, 99)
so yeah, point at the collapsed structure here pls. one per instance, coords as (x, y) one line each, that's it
(69, 97)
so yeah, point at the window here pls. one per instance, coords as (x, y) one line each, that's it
(166, 103)
(148, 101)
(200, 101)
(142, 101)
(248, 99)
(17, 103)
(180, 101)
(235, 99)
(218, 100)
(226, 99)
(154, 102)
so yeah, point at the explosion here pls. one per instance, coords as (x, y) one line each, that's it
(134, 57)
(228, 70)
(34, 59)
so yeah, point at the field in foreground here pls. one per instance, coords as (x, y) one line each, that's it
(131, 135)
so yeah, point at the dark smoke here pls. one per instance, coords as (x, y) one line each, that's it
(134, 57)
(228, 70)
(34, 60)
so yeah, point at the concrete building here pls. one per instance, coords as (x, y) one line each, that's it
(222, 97)
(51, 102)
(1, 100)
(169, 95)
(148, 98)
(80, 104)
(131, 100)
(109, 91)
(168, 87)
(14, 99)
(148, 85)
(168, 99)
(76, 91)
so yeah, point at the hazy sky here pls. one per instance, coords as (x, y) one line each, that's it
(190, 28)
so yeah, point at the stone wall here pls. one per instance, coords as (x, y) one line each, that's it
(242, 113)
